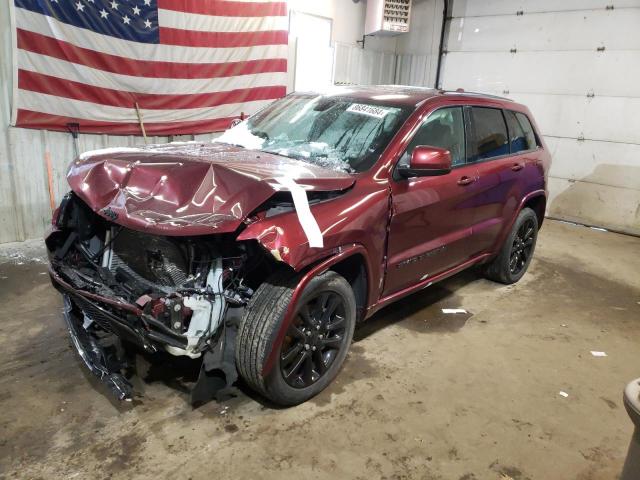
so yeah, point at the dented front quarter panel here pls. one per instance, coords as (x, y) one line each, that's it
(358, 216)
(188, 189)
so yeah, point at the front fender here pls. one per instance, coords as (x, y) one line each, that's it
(285, 240)
(356, 217)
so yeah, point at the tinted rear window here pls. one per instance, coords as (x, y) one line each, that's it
(490, 133)
(517, 138)
(525, 124)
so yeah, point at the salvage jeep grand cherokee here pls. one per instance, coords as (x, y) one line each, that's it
(260, 252)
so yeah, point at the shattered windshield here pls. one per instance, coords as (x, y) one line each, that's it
(334, 132)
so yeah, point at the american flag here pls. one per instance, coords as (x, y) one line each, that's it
(191, 66)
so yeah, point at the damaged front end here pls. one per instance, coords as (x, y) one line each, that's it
(122, 287)
(162, 246)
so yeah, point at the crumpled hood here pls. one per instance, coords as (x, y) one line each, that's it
(188, 188)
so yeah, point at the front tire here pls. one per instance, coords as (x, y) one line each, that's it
(516, 252)
(316, 343)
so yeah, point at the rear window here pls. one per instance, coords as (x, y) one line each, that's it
(490, 133)
(524, 122)
(517, 139)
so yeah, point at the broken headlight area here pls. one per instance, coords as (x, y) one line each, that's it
(183, 295)
(282, 202)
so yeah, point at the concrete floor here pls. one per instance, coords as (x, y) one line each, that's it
(422, 395)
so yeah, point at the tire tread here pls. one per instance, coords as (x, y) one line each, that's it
(267, 306)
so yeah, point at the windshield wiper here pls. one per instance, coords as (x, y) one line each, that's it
(294, 157)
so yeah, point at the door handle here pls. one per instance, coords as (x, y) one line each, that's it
(517, 167)
(466, 180)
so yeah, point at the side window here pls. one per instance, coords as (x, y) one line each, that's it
(528, 130)
(444, 128)
(490, 133)
(517, 138)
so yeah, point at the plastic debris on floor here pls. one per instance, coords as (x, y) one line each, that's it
(598, 354)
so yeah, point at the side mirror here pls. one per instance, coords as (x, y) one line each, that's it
(427, 161)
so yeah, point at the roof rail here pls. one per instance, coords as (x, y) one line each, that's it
(461, 91)
(392, 85)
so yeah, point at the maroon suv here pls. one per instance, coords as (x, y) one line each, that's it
(260, 252)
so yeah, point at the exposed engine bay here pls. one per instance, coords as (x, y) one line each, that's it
(177, 294)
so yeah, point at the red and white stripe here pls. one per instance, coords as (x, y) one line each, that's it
(216, 59)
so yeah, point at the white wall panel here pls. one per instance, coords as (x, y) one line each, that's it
(474, 8)
(597, 162)
(610, 73)
(614, 119)
(595, 204)
(540, 31)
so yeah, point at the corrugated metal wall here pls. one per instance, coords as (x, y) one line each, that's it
(576, 64)
(355, 66)
(415, 69)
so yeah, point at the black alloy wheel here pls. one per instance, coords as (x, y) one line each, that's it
(522, 246)
(516, 252)
(314, 339)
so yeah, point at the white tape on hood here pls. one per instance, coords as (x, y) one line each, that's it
(306, 218)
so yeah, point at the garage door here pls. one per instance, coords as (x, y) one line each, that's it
(576, 64)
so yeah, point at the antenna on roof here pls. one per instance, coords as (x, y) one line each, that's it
(460, 90)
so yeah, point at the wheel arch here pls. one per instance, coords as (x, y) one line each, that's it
(355, 270)
(352, 262)
(537, 203)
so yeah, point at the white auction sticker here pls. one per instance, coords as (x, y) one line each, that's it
(371, 110)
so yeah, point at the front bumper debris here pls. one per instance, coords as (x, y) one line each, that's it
(104, 356)
(94, 355)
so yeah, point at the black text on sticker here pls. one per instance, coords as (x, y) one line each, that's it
(370, 110)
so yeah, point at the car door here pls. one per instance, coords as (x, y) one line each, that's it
(497, 149)
(431, 216)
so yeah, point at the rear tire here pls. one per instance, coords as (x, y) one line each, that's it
(516, 252)
(316, 343)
